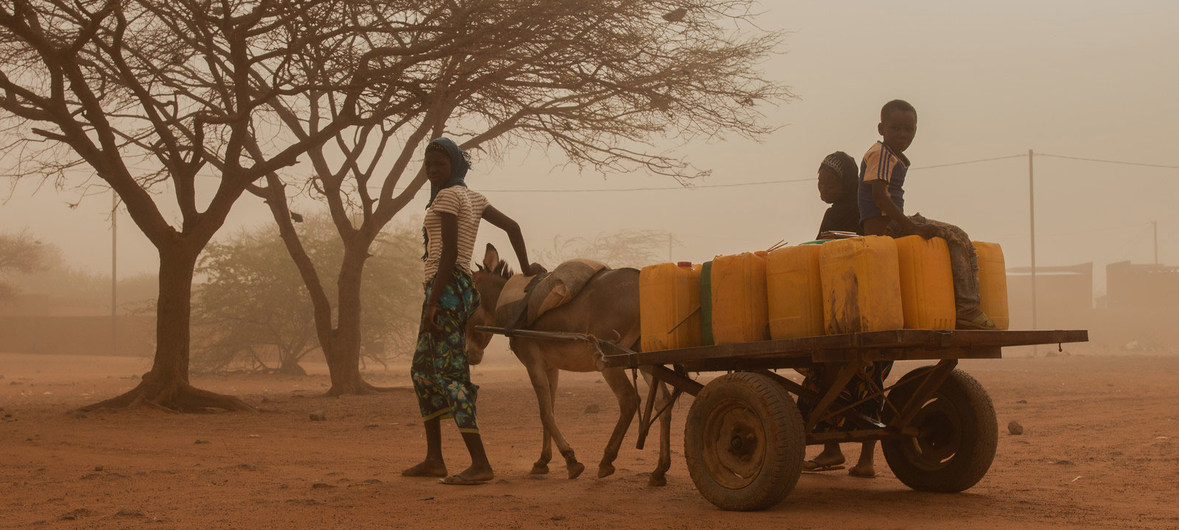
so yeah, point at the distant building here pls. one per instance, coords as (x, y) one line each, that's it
(1137, 312)
(1064, 297)
(1140, 306)
(1150, 287)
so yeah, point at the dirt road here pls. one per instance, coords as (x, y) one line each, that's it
(1100, 449)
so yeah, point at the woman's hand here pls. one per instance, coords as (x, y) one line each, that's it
(431, 324)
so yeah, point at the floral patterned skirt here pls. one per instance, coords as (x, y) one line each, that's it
(440, 371)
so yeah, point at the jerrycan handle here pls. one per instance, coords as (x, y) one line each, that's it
(677, 326)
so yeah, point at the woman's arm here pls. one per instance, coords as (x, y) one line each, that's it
(445, 267)
(512, 228)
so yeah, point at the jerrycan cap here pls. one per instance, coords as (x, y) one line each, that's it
(684, 263)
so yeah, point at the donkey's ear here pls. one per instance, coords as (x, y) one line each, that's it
(490, 258)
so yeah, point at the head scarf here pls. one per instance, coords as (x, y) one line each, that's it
(458, 165)
(844, 166)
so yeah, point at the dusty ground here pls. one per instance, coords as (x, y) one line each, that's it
(1101, 449)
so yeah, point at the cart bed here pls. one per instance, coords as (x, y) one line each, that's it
(892, 345)
(902, 344)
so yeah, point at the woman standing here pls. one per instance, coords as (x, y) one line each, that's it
(441, 373)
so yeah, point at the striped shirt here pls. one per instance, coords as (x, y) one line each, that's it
(468, 207)
(880, 163)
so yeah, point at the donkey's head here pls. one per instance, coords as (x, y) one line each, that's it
(490, 277)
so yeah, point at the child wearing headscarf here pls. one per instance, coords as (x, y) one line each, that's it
(838, 181)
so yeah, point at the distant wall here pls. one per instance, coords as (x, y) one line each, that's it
(41, 305)
(1064, 297)
(77, 335)
(1137, 313)
(1142, 286)
(1139, 310)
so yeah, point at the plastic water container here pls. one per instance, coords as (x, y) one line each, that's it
(992, 283)
(738, 293)
(669, 306)
(927, 284)
(861, 285)
(706, 304)
(794, 292)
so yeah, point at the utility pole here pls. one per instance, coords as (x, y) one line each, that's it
(114, 273)
(1032, 220)
(1156, 241)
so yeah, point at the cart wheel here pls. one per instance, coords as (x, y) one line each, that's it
(957, 435)
(744, 442)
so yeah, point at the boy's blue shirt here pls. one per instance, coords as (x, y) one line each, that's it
(881, 163)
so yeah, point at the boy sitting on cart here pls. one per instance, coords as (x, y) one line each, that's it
(881, 197)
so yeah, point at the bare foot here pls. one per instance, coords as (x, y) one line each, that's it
(428, 468)
(862, 470)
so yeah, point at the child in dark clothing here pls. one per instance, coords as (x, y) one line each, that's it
(838, 183)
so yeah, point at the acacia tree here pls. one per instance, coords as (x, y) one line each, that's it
(603, 81)
(623, 248)
(21, 253)
(160, 99)
(252, 306)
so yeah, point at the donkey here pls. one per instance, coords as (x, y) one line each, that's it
(607, 308)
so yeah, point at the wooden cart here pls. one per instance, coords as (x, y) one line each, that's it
(744, 437)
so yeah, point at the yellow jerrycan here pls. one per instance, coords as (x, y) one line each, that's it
(669, 306)
(739, 312)
(992, 283)
(861, 282)
(794, 292)
(927, 285)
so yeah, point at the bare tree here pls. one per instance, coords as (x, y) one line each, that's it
(604, 82)
(22, 253)
(623, 248)
(252, 307)
(160, 100)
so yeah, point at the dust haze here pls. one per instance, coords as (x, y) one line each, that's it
(1063, 107)
(1081, 85)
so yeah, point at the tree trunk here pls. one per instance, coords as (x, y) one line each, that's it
(166, 386)
(343, 356)
(339, 340)
(288, 364)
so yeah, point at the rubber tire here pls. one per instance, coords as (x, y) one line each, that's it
(960, 410)
(768, 407)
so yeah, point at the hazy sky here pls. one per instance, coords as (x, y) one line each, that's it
(989, 79)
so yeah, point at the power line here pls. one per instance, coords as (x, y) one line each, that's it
(1125, 228)
(731, 185)
(662, 188)
(795, 181)
(965, 162)
(1119, 162)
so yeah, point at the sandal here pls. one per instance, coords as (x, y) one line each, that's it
(458, 480)
(811, 466)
